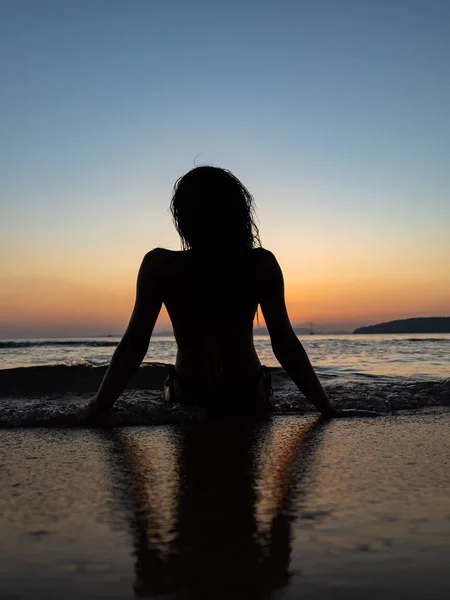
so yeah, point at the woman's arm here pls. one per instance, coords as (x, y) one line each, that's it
(285, 344)
(134, 345)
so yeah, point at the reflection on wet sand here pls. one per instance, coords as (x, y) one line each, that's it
(210, 506)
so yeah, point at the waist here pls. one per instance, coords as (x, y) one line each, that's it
(254, 391)
(197, 384)
(210, 360)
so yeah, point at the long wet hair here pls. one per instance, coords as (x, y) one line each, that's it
(213, 211)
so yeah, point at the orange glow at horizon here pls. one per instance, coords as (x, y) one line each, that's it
(90, 289)
(95, 306)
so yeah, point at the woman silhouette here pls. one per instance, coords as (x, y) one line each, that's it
(212, 289)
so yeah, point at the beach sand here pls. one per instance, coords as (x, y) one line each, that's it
(294, 508)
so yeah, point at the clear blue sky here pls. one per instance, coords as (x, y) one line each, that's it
(334, 113)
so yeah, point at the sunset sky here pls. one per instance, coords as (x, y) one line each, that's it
(334, 113)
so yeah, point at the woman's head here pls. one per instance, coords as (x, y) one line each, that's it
(212, 209)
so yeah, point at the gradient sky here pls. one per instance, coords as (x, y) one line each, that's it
(334, 113)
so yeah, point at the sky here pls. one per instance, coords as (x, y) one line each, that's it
(333, 113)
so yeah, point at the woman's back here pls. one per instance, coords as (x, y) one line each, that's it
(212, 302)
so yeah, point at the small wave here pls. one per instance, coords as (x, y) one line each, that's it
(79, 377)
(70, 343)
(441, 340)
(56, 396)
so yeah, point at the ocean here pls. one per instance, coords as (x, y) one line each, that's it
(49, 381)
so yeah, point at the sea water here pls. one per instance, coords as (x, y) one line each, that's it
(44, 381)
(421, 356)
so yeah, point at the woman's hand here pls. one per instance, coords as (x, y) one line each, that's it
(90, 415)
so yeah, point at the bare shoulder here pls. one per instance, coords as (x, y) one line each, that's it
(266, 261)
(154, 258)
(263, 254)
(161, 261)
(155, 263)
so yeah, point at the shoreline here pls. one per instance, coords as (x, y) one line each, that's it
(298, 507)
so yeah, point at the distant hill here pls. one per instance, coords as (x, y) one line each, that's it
(418, 325)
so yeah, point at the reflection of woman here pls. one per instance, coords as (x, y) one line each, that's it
(212, 289)
(213, 548)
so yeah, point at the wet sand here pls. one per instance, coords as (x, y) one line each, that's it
(294, 508)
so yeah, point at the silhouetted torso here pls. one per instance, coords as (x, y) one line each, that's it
(212, 301)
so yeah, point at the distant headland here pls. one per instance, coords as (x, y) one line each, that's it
(418, 325)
